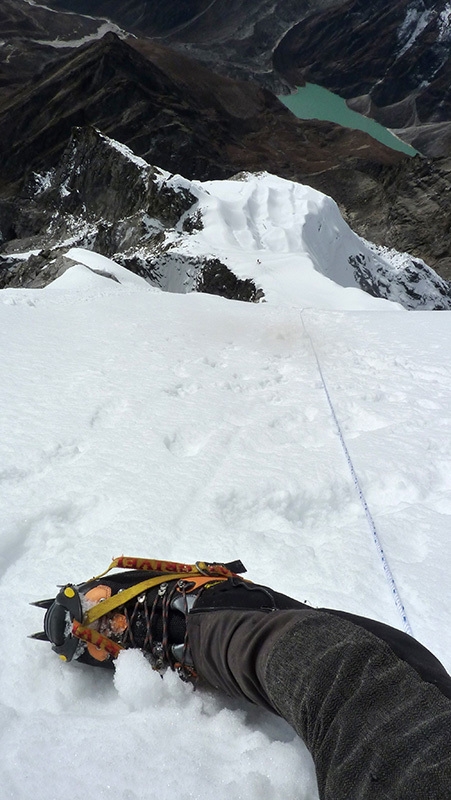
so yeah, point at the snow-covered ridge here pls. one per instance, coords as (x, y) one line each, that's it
(286, 236)
(255, 237)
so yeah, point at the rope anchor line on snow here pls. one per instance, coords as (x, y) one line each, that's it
(388, 573)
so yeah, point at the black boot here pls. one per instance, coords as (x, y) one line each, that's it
(154, 621)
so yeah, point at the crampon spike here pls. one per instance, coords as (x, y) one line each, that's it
(41, 636)
(43, 603)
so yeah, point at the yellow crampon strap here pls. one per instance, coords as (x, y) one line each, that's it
(201, 573)
(121, 598)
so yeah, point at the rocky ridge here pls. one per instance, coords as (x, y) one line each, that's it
(391, 61)
(103, 197)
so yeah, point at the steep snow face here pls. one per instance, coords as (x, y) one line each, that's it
(186, 426)
(286, 236)
(276, 232)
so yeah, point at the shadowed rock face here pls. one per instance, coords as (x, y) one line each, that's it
(171, 111)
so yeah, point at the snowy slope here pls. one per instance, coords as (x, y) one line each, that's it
(188, 426)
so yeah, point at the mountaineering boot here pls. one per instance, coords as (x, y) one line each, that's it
(153, 621)
(144, 608)
(149, 608)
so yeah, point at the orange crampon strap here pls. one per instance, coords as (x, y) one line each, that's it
(192, 576)
(169, 567)
(96, 641)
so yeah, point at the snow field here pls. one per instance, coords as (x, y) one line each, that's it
(190, 427)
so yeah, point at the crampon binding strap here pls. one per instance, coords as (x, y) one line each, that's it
(72, 618)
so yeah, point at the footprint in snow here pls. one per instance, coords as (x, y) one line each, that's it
(185, 443)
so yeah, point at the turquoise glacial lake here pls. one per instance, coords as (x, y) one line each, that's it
(314, 102)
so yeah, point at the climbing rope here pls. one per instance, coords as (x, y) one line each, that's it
(388, 573)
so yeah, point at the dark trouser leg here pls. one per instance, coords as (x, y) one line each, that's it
(375, 729)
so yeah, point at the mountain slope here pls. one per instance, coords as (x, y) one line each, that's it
(203, 126)
(183, 427)
(34, 35)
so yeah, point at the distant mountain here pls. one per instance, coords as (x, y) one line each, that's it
(392, 61)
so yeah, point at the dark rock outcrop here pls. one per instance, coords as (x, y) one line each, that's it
(216, 278)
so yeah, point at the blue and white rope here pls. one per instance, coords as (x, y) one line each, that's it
(388, 573)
